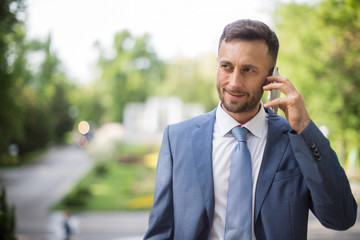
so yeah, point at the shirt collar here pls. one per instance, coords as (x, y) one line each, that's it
(256, 125)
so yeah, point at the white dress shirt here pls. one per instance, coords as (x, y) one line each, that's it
(223, 145)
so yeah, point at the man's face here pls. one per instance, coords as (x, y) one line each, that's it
(241, 73)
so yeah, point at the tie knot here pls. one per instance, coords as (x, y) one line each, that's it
(239, 133)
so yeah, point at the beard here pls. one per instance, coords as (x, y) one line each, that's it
(252, 100)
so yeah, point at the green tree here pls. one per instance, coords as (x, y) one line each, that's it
(34, 92)
(342, 18)
(319, 52)
(11, 40)
(36, 127)
(59, 112)
(44, 99)
(131, 74)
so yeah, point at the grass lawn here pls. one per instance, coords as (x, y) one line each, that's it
(114, 185)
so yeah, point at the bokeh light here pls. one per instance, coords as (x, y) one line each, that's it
(84, 127)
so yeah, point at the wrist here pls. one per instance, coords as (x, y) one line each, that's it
(302, 125)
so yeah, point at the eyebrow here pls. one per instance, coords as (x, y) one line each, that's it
(249, 66)
(242, 66)
(225, 61)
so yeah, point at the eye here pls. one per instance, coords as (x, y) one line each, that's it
(226, 66)
(248, 70)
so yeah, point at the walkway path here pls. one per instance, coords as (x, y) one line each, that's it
(35, 188)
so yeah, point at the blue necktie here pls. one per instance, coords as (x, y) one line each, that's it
(239, 200)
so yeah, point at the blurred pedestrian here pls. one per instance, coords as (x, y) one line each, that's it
(69, 225)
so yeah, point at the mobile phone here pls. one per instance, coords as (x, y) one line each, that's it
(274, 93)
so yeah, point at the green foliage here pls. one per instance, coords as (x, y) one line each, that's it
(78, 198)
(11, 37)
(59, 110)
(33, 95)
(33, 100)
(87, 100)
(7, 218)
(193, 80)
(36, 127)
(44, 100)
(320, 53)
(343, 21)
(130, 75)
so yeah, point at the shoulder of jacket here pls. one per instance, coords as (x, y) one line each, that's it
(189, 123)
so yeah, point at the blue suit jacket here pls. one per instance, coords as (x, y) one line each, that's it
(298, 173)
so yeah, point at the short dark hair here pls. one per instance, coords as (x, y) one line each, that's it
(246, 29)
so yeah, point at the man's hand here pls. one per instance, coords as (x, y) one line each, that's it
(292, 104)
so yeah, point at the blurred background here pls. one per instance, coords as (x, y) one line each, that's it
(87, 88)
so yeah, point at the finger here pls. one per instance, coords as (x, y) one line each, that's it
(276, 102)
(276, 78)
(285, 86)
(280, 79)
(273, 85)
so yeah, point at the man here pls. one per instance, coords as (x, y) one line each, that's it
(292, 166)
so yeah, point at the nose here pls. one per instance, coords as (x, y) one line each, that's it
(236, 79)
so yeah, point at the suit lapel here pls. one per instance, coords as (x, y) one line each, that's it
(277, 133)
(202, 149)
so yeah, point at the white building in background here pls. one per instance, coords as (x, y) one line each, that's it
(151, 117)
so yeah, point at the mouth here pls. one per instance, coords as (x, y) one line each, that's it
(235, 94)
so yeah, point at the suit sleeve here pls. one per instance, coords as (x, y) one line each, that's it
(332, 200)
(161, 220)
